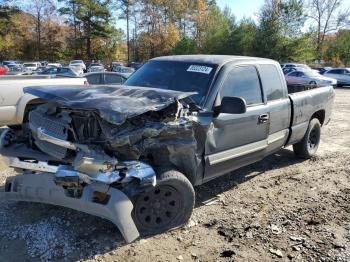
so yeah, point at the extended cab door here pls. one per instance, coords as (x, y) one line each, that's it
(235, 140)
(278, 102)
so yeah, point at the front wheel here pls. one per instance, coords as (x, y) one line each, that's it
(308, 146)
(169, 204)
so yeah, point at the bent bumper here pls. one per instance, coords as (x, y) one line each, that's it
(42, 188)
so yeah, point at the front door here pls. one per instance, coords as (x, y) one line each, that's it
(235, 140)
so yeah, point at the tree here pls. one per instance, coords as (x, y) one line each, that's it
(339, 47)
(184, 47)
(40, 9)
(126, 6)
(328, 16)
(70, 11)
(95, 17)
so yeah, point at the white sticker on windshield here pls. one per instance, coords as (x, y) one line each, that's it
(199, 69)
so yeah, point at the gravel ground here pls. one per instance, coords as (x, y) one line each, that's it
(279, 209)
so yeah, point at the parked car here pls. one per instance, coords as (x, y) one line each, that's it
(43, 63)
(125, 71)
(341, 74)
(135, 65)
(32, 66)
(78, 65)
(116, 64)
(3, 70)
(15, 69)
(133, 153)
(61, 71)
(105, 78)
(54, 65)
(288, 65)
(322, 70)
(15, 104)
(309, 77)
(5, 63)
(96, 68)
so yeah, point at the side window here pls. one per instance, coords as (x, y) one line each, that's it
(243, 82)
(113, 79)
(293, 74)
(336, 71)
(93, 79)
(271, 82)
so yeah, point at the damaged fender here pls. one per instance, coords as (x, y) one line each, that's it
(41, 188)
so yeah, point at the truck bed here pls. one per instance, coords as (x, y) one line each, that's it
(306, 101)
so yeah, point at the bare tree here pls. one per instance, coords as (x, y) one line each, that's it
(40, 9)
(329, 15)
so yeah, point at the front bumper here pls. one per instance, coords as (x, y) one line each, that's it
(42, 188)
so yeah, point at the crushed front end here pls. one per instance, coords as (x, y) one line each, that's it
(95, 158)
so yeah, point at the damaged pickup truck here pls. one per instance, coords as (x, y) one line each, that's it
(132, 153)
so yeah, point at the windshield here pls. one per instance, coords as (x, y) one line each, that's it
(29, 65)
(76, 62)
(179, 76)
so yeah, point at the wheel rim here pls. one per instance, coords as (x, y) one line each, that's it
(158, 208)
(313, 139)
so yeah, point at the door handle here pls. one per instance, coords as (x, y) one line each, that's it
(263, 118)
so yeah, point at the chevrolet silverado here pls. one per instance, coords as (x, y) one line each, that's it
(133, 153)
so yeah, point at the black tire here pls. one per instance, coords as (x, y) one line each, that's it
(308, 146)
(168, 205)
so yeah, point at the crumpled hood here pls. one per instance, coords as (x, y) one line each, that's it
(114, 103)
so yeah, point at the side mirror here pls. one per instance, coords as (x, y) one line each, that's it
(231, 105)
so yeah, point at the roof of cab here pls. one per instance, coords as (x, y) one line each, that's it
(209, 59)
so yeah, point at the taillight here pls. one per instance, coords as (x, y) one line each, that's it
(86, 83)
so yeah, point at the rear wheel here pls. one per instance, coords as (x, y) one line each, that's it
(313, 83)
(308, 146)
(169, 204)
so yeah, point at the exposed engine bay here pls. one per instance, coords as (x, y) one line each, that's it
(86, 146)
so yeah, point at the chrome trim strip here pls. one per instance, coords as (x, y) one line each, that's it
(236, 152)
(276, 136)
(246, 149)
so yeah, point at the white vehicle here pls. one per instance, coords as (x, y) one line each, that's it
(309, 77)
(341, 74)
(32, 66)
(54, 65)
(77, 65)
(96, 68)
(14, 103)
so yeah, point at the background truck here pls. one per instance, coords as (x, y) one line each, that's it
(14, 104)
(133, 153)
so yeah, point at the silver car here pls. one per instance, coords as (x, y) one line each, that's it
(341, 74)
(309, 77)
(124, 71)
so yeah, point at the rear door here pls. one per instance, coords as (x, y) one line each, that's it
(276, 95)
(235, 140)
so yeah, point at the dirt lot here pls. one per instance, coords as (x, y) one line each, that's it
(279, 209)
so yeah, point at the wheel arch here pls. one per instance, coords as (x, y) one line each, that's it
(320, 115)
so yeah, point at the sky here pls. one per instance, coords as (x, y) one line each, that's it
(245, 8)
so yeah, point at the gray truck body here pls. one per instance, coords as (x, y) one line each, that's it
(146, 129)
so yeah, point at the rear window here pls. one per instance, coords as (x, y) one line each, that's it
(271, 82)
